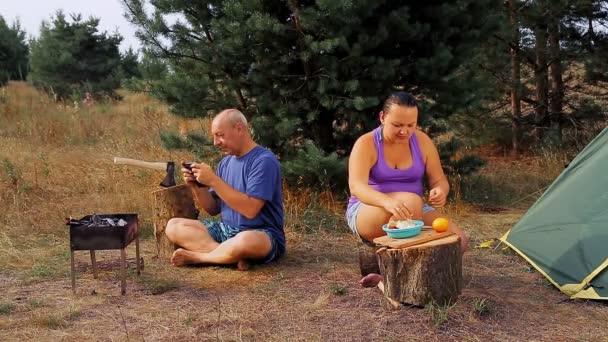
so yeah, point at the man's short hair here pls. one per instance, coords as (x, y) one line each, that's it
(235, 116)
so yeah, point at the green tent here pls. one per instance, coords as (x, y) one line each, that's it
(564, 235)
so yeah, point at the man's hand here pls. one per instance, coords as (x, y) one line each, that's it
(437, 197)
(202, 198)
(204, 174)
(187, 174)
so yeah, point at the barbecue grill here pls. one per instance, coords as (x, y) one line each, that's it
(104, 232)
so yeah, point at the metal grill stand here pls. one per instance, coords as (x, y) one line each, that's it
(85, 235)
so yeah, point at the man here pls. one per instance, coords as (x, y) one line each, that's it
(245, 189)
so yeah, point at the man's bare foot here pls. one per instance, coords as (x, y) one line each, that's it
(184, 257)
(371, 280)
(242, 265)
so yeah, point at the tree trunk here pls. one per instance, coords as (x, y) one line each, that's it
(540, 70)
(430, 272)
(324, 131)
(293, 6)
(590, 31)
(368, 262)
(515, 79)
(555, 67)
(171, 202)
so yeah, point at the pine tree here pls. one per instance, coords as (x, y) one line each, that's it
(585, 33)
(312, 72)
(556, 11)
(129, 64)
(70, 58)
(150, 70)
(14, 52)
(513, 10)
(538, 14)
(569, 40)
(556, 40)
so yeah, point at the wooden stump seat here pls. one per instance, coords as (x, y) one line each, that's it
(417, 271)
(368, 262)
(176, 201)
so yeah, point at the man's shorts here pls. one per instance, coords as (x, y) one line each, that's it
(221, 232)
(351, 216)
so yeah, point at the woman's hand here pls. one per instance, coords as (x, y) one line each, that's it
(398, 209)
(437, 197)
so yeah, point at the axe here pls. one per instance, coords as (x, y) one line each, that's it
(169, 167)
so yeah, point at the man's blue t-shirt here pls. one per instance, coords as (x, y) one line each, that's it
(258, 175)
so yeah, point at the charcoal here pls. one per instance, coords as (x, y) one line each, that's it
(97, 222)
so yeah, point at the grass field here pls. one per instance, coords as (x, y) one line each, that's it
(56, 161)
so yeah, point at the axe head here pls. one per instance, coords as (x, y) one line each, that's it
(169, 180)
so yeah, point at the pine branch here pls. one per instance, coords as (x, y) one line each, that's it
(518, 50)
(296, 17)
(150, 37)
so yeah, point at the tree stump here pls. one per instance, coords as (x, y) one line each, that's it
(368, 262)
(170, 202)
(419, 274)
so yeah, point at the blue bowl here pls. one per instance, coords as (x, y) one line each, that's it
(402, 233)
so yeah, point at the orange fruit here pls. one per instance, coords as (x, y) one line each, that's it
(440, 224)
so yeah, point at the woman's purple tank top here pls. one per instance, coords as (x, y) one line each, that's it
(385, 179)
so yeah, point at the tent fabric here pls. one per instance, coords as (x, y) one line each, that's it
(564, 235)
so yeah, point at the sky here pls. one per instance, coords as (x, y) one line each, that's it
(32, 12)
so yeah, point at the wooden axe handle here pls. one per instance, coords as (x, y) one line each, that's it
(140, 163)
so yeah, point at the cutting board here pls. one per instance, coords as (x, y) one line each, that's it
(424, 236)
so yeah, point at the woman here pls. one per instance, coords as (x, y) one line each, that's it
(386, 170)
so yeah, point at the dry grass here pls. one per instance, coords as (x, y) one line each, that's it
(59, 163)
(513, 183)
